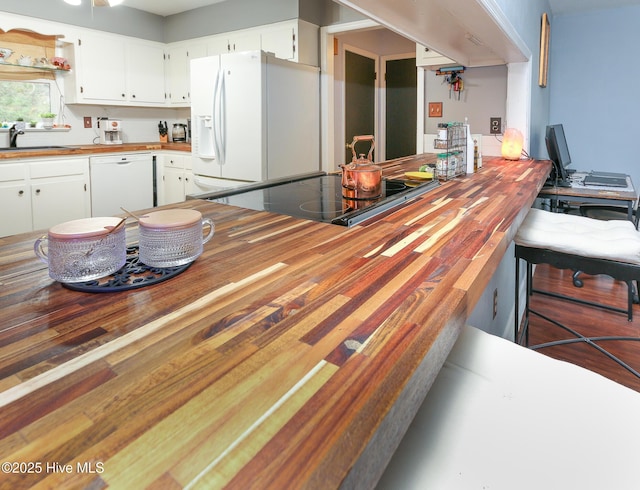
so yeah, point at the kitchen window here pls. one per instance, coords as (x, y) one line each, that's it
(26, 100)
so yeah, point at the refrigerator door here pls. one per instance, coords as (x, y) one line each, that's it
(242, 116)
(205, 74)
(293, 121)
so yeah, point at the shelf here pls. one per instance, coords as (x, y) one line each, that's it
(40, 49)
(34, 67)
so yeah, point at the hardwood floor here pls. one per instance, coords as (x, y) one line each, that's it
(587, 320)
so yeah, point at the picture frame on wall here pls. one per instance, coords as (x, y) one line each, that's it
(544, 51)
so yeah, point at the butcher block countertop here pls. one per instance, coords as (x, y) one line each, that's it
(290, 354)
(9, 154)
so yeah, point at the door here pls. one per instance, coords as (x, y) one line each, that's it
(360, 98)
(401, 106)
(242, 114)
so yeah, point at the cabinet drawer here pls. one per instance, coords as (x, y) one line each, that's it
(12, 171)
(58, 168)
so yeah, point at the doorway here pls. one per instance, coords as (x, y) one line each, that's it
(360, 98)
(401, 101)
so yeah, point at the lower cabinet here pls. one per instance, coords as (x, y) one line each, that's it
(175, 178)
(37, 194)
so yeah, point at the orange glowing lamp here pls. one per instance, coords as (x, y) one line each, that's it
(512, 144)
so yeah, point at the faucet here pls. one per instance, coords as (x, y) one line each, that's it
(13, 136)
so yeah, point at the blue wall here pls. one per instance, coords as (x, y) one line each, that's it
(594, 72)
(525, 18)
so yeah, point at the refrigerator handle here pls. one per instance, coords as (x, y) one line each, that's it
(214, 115)
(217, 116)
(222, 108)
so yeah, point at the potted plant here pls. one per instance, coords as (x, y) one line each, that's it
(47, 119)
(20, 124)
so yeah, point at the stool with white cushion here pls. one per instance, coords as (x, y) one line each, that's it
(500, 416)
(582, 244)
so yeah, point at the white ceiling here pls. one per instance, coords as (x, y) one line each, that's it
(170, 7)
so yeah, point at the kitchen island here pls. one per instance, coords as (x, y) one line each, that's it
(290, 354)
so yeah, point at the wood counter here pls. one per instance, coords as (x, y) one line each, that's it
(11, 154)
(290, 354)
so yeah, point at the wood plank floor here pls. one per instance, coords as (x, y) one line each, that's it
(589, 321)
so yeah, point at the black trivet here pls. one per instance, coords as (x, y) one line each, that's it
(132, 275)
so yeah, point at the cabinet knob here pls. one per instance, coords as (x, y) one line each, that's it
(37, 191)
(20, 193)
(133, 96)
(123, 96)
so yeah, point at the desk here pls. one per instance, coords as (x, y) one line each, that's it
(610, 196)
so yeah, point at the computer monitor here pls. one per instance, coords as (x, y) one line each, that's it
(558, 154)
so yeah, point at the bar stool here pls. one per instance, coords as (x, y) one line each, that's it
(581, 244)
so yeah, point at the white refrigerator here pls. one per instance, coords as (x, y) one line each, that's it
(254, 117)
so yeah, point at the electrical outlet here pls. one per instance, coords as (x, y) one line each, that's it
(495, 125)
(87, 122)
(495, 303)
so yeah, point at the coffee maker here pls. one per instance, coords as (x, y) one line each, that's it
(179, 133)
(110, 131)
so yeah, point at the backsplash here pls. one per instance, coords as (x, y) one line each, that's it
(139, 125)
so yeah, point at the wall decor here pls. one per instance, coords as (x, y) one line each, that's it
(435, 109)
(544, 51)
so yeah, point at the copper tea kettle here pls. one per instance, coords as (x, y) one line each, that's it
(361, 178)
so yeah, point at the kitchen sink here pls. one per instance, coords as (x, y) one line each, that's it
(35, 148)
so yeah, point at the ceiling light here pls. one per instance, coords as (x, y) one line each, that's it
(73, 2)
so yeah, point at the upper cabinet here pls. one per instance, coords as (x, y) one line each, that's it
(115, 70)
(179, 56)
(233, 42)
(293, 40)
(428, 57)
(110, 69)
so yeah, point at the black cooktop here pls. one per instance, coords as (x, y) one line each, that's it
(318, 198)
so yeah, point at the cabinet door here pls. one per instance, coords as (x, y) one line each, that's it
(57, 200)
(103, 68)
(179, 71)
(173, 185)
(178, 74)
(145, 73)
(15, 202)
(189, 183)
(280, 42)
(247, 41)
(217, 45)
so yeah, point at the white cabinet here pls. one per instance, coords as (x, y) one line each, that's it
(294, 40)
(428, 57)
(15, 199)
(42, 193)
(175, 177)
(116, 70)
(179, 57)
(232, 42)
(145, 73)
